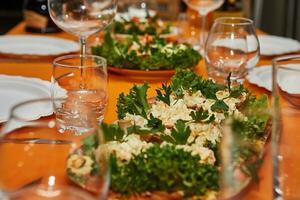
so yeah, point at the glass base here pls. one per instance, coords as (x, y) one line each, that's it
(39, 193)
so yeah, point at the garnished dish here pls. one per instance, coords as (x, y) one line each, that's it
(146, 53)
(137, 26)
(168, 146)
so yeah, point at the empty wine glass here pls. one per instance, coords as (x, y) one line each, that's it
(232, 47)
(33, 156)
(82, 17)
(203, 7)
(286, 127)
(69, 74)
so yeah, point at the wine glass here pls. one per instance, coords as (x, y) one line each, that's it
(203, 7)
(286, 127)
(33, 156)
(232, 47)
(142, 8)
(69, 74)
(82, 17)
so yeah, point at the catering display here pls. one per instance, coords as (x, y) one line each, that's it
(142, 26)
(168, 145)
(146, 53)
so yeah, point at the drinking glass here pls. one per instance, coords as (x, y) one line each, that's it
(33, 156)
(81, 17)
(286, 127)
(85, 83)
(142, 8)
(203, 7)
(232, 47)
(188, 32)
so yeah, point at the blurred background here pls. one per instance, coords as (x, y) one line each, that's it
(278, 17)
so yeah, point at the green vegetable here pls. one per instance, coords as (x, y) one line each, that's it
(166, 96)
(112, 132)
(202, 116)
(179, 134)
(134, 103)
(164, 169)
(153, 55)
(219, 106)
(138, 130)
(149, 26)
(188, 80)
(155, 124)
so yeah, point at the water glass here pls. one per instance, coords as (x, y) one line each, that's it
(33, 156)
(286, 127)
(188, 32)
(232, 47)
(83, 88)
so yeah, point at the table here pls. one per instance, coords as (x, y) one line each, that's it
(118, 84)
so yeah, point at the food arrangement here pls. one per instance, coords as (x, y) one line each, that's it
(137, 26)
(146, 53)
(169, 144)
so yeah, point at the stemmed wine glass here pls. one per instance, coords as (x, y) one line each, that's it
(203, 7)
(82, 17)
(33, 156)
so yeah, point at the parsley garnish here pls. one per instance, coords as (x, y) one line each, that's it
(164, 169)
(155, 124)
(134, 103)
(166, 96)
(179, 134)
(202, 116)
(219, 106)
(112, 132)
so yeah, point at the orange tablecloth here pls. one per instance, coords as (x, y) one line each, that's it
(118, 84)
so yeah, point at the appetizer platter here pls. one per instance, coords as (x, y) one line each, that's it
(167, 146)
(145, 54)
(150, 25)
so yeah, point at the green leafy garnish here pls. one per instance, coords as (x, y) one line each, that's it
(202, 116)
(112, 132)
(164, 169)
(219, 106)
(155, 54)
(179, 134)
(138, 130)
(155, 124)
(134, 103)
(164, 97)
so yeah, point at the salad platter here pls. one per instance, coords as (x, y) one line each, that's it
(151, 25)
(144, 55)
(168, 146)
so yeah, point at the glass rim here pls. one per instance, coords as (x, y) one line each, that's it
(244, 21)
(28, 102)
(103, 63)
(275, 62)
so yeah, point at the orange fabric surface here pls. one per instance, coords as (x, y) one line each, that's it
(118, 84)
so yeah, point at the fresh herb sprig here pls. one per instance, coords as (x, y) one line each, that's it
(202, 116)
(179, 134)
(165, 96)
(155, 54)
(164, 169)
(134, 103)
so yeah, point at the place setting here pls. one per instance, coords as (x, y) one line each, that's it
(146, 107)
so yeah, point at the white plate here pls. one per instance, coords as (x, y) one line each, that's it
(273, 45)
(261, 76)
(16, 89)
(36, 45)
(288, 80)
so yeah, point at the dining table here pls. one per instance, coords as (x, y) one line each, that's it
(261, 190)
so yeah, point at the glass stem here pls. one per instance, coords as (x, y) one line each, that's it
(202, 34)
(82, 42)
